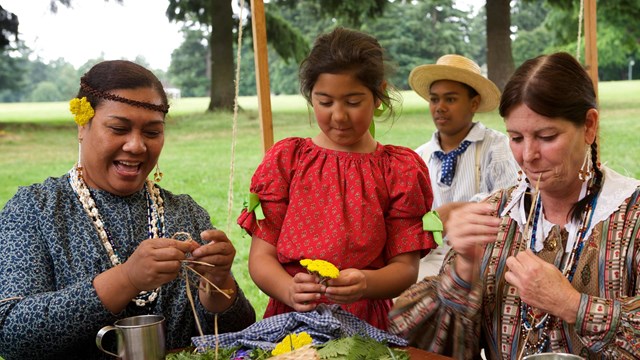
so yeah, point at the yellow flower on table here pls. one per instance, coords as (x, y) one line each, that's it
(292, 342)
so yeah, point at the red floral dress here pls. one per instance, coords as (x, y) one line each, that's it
(354, 210)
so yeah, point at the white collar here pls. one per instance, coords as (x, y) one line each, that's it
(615, 190)
(475, 134)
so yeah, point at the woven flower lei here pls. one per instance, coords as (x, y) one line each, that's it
(322, 268)
(82, 110)
(292, 342)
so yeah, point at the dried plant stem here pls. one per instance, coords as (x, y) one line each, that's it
(223, 292)
(215, 322)
(527, 226)
(528, 232)
(197, 262)
(11, 299)
(193, 304)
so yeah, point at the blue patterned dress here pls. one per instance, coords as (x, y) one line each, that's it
(51, 253)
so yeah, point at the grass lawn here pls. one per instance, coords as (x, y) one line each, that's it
(38, 140)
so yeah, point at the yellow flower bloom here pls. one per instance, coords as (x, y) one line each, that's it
(82, 110)
(292, 342)
(321, 267)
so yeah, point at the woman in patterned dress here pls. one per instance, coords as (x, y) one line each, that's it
(97, 244)
(340, 196)
(550, 265)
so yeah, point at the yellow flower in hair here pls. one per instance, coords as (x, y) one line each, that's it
(292, 342)
(324, 269)
(82, 110)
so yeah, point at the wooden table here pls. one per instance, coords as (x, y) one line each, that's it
(417, 354)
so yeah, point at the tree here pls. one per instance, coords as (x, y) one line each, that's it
(531, 39)
(618, 36)
(188, 68)
(286, 40)
(12, 69)
(499, 57)
(8, 27)
(45, 91)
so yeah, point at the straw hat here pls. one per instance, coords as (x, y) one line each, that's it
(456, 68)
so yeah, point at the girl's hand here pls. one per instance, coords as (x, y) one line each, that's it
(469, 229)
(348, 287)
(304, 292)
(155, 262)
(542, 286)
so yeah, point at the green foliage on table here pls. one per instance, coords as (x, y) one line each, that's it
(360, 348)
(349, 348)
(210, 354)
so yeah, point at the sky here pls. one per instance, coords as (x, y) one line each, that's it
(96, 27)
(92, 28)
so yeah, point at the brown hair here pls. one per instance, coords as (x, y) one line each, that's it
(346, 51)
(555, 86)
(110, 75)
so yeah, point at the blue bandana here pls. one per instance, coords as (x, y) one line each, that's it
(449, 161)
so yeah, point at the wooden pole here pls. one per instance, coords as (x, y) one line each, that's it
(590, 45)
(261, 59)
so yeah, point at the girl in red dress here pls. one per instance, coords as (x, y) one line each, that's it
(340, 196)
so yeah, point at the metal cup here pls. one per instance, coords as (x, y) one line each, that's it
(137, 337)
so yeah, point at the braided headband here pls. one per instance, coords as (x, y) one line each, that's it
(108, 96)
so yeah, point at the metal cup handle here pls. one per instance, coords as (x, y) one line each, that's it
(105, 330)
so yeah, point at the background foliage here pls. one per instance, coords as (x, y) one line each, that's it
(412, 32)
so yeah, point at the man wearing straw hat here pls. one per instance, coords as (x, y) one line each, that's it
(466, 160)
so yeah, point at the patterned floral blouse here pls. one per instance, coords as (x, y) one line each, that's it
(51, 253)
(447, 315)
(354, 210)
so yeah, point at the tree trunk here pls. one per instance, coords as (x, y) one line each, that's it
(499, 58)
(221, 50)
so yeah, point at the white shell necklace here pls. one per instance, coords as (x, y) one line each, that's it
(155, 222)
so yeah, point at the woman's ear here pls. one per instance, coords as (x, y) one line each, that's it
(591, 126)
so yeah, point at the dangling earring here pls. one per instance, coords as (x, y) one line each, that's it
(585, 170)
(157, 175)
(79, 153)
(519, 175)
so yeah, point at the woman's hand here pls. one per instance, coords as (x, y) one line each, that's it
(304, 291)
(348, 287)
(542, 286)
(469, 229)
(155, 262)
(219, 252)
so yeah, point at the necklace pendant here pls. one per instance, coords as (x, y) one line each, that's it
(551, 244)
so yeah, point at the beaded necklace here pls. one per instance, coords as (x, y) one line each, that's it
(155, 222)
(528, 316)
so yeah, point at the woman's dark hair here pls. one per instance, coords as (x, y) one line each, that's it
(346, 51)
(555, 86)
(98, 83)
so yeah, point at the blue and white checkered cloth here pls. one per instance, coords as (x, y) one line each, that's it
(326, 323)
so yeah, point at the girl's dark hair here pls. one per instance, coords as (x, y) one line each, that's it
(555, 86)
(346, 51)
(98, 83)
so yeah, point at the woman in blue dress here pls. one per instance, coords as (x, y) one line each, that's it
(103, 242)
